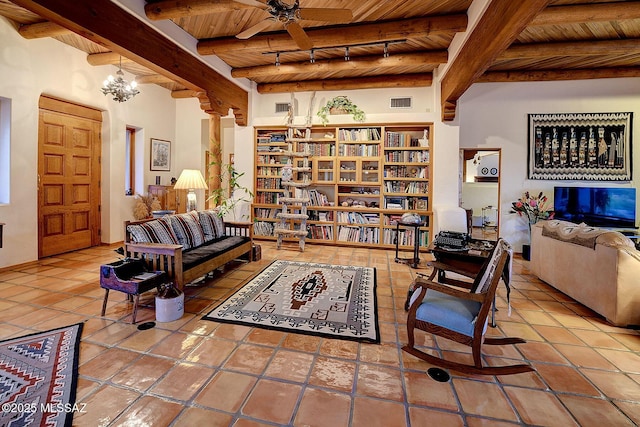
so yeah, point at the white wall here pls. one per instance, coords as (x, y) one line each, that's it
(29, 68)
(494, 115)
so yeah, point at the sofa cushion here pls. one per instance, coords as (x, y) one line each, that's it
(211, 249)
(212, 224)
(188, 229)
(156, 231)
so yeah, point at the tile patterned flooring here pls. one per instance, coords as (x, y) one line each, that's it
(194, 372)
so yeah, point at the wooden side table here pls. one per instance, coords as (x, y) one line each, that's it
(129, 276)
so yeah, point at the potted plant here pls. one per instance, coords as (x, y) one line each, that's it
(237, 193)
(340, 105)
(532, 209)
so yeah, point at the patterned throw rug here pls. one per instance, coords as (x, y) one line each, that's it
(38, 375)
(336, 301)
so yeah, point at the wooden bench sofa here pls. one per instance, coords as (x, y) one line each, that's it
(188, 246)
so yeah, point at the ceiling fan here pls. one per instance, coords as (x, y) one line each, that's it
(289, 15)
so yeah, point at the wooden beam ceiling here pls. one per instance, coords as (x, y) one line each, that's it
(582, 13)
(497, 28)
(172, 9)
(403, 80)
(433, 58)
(556, 75)
(105, 23)
(342, 36)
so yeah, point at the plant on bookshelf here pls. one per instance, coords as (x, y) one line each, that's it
(341, 105)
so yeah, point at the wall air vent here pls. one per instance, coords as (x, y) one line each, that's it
(282, 107)
(400, 102)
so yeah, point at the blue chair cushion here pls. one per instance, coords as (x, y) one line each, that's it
(448, 311)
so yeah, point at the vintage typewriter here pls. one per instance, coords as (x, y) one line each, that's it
(452, 240)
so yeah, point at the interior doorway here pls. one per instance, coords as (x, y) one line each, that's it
(480, 190)
(69, 148)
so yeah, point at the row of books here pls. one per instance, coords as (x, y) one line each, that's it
(358, 217)
(358, 234)
(269, 183)
(268, 171)
(317, 198)
(317, 149)
(359, 150)
(404, 139)
(413, 187)
(407, 156)
(266, 198)
(266, 212)
(406, 237)
(261, 228)
(324, 232)
(266, 137)
(364, 134)
(406, 203)
(405, 172)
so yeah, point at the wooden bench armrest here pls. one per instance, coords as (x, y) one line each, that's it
(153, 248)
(159, 257)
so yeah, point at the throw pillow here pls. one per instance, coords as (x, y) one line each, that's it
(188, 229)
(156, 231)
(212, 224)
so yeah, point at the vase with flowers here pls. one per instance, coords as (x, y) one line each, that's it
(532, 209)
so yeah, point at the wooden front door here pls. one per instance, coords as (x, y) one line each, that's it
(68, 177)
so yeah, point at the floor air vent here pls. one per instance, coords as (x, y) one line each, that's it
(400, 102)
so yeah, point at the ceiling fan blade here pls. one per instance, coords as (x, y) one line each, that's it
(254, 3)
(299, 36)
(252, 31)
(328, 15)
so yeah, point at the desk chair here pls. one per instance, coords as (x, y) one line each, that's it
(461, 315)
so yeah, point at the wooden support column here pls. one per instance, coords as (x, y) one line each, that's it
(215, 157)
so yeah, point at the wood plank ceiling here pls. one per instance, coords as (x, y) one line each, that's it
(383, 44)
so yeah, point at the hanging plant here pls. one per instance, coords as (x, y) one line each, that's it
(340, 105)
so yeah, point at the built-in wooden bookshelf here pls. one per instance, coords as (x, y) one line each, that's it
(364, 178)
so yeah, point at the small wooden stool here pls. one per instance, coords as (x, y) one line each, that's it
(129, 276)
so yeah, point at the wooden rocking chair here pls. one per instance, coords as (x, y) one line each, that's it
(461, 315)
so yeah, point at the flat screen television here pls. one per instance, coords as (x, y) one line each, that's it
(595, 206)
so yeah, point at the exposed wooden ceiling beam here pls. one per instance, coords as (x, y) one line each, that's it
(577, 48)
(185, 93)
(342, 36)
(592, 12)
(388, 81)
(554, 75)
(107, 58)
(153, 79)
(433, 58)
(105, 23)
(170, 9)
(497, 28)
(43, 29)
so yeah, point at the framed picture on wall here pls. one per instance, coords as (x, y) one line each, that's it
(580, 146)
(160, 155)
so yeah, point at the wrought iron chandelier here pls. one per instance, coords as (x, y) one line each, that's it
(118, 87)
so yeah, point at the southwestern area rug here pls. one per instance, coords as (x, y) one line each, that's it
(38, 375)
(336, 301)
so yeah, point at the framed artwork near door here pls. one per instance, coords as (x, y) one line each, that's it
(580, 146)
(160, 155)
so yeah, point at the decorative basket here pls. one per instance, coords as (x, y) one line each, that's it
(337, 110)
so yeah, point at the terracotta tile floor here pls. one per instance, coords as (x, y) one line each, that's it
(194, 372)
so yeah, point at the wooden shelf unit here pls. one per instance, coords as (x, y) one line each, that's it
(364, 178)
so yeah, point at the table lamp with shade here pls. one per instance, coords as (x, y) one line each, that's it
(191, 180)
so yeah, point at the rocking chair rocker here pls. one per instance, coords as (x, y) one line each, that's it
(461, 315)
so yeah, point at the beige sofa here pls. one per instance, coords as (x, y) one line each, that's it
(598, 268)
